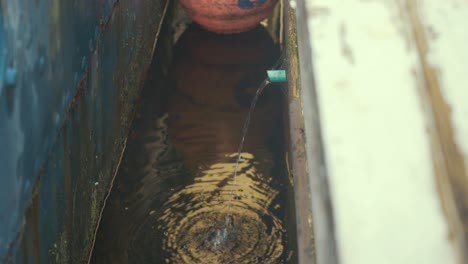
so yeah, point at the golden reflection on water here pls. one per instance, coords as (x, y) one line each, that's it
(253, 234)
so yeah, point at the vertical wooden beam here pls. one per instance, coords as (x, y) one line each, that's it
(312, 181)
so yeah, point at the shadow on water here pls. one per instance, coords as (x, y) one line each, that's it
(170, 197)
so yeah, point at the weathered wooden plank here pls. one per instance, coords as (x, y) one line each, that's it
(297, 165)
(389, 137)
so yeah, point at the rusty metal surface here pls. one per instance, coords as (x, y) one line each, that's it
(70, 73)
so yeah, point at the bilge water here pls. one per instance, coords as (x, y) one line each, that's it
(175, 198)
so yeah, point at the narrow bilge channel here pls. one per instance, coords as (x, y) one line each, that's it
(175, 188)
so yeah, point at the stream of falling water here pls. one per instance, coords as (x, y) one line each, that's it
(222, 235)
(245, 128)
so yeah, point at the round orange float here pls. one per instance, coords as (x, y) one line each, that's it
(228, 16)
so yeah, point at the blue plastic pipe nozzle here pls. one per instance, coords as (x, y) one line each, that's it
(277, 76)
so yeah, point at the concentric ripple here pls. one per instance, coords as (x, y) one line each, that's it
(209, 223)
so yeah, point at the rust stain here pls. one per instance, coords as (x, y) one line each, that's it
(448, 161)
(67, 183)
(78, 95)
(288, 169)
(32, 207)
(31, 243)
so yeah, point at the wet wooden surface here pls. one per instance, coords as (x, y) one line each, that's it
(296, 152)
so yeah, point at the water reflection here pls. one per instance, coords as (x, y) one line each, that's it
(169, 203)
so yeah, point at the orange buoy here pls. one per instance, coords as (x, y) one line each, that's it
(228, 16)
